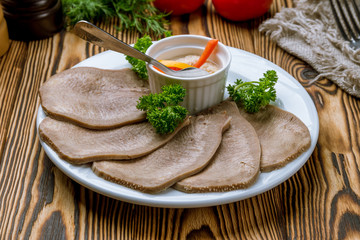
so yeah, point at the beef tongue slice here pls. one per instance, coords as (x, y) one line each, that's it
(283, 136)
(186, 154)
(94, 98)
(79, 145)
(236, 163)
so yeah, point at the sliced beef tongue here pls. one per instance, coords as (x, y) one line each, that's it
(79, 145)
(236, 163)
(186, 154)
(283, 136)
(94, 98)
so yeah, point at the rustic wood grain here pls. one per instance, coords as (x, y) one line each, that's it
(37, 201)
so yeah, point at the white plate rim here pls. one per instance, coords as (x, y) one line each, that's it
(172, 198)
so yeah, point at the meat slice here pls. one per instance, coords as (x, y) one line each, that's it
(236, 163)
(186, 154)
(79, 145)
(283, 136)
(94, 98)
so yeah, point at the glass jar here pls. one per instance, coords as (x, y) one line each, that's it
(32, 19)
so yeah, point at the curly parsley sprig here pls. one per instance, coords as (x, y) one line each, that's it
(255, 94)
(142, 44)
(162, 109)
(139, 66)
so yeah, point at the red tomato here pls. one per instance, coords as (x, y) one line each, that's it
(240, 10)
(178, 7)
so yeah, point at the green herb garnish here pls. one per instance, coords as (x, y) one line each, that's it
(255, 94)
(139, 66)
(133, 14)
(163, 110)
(142, 44)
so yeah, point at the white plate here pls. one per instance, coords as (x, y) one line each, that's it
(291, 97)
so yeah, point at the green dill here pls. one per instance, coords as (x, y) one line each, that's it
(140, 15)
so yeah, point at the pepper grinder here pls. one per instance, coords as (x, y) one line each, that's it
(32, 19)
(4, 36)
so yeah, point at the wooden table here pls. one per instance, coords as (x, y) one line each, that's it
(37, 200)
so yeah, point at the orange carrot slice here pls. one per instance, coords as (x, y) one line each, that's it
(172, 63)
(210, 46)
(158, 69)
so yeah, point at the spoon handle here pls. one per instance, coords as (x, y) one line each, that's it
(99, 37)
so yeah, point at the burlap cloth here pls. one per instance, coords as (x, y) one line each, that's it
(309, 32)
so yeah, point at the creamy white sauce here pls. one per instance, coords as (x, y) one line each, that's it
(208, 66)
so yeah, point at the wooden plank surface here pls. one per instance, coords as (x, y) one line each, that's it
(37, 201)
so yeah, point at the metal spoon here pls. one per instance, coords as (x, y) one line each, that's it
(99, 37)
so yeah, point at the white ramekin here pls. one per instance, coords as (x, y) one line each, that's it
(201, 92)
